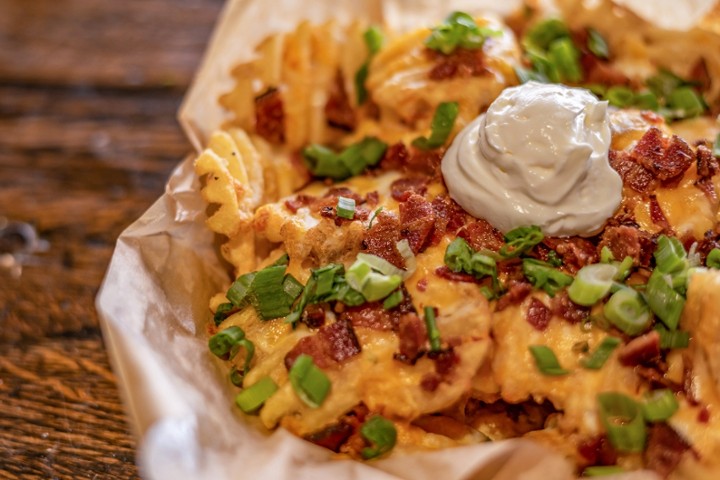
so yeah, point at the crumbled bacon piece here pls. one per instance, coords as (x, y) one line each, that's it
(314, 315)
(640, 350)
(338, 111)
(296, 203)
(563, 307)
(402, 188)
(447, 274)
(270, 116)
(626, 241)
(514, 296)
(417, 218)
(632, 173)
(538, 315)
(382, 238)
(331, 345)
(665, 448)
(461, 63)
(449, 218)
(666, 159)
(598, 451)
(332, 437)
(576, 252)
(424, 161)
(369, 315)
(480, 235)
(445, 361)
(430, 381)
(710, 240)
(707, 164)
(395, 157)
(412, 336)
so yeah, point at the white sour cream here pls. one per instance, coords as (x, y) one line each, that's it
(539, 156)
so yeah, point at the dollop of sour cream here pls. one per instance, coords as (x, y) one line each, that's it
(539, 156)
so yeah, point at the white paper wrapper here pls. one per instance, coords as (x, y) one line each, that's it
(153, 309)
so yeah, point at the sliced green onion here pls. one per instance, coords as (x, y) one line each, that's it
(663, 300)
(602, 470)
(381, 434)
(224, 341)
(238, 291)
(566, 57)
(540, 36)
(620, 96)
(380, 264)
(543, 276)
(670, 255)
(323, 162)
(713, 258)
(292, 288)
(432, 330)
(601, 353)
(310, 383)
(592, 283)
(597, 44)
(346, 208)
(237, 377)
(373, 41)
(222, 312)
(659, 405)
(393, 300)
(520, 240)
(440, 127)
(482, 265)
(623, 268)
(606, 255)
(458, 30)
(403, 247)
(457, 255)
(647, 101)
(627, 311)
(546, 360)
(378, 286)
(253, 397)
(672, 339)
(664, 83)
(268, 295)
(374, 215)
(685, 102)
(623, 421)
(490, 294)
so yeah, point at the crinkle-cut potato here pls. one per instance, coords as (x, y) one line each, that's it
(475, 378)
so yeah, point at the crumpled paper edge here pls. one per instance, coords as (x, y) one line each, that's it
(153, 307)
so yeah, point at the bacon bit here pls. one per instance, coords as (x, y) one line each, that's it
(657, 215)
(395, 158)
(704, 414)
(650, 149)
(270, 116)
(425, 161)
(447, 274)
(430, 382)
(677, 159)
(418, 219)
(665, 159)
(652, 117)
(710, 240)
(461, 63)
(422, 284)
(314, 316)
(515, 295)
(445, 361)
(563, 307)
(382, 238)
(665, 448)
(369, 315)
(332, 437)
(699, 74)
(449, 218)
(640, 350)
(576, 252)
(597, 70)
(338, 111)
(442, 425)
(301, 200)
(633, 174)
(331, 345)
(372, 198)
(598, 451)
(538, 315)
(412, 336)
(402, 188)
(480, 235)
(707, 164)
(626, 241)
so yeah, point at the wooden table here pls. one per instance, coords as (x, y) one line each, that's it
(88, 95)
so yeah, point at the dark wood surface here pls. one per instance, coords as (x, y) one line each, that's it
(88, 95)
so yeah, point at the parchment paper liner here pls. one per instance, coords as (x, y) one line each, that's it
(153, 305)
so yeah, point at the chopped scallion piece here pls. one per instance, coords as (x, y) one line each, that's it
(620, 96)
(597, 44)
(546, 360)
(623, 268)
(403, 247)
(440, 127)
(543, 276)
(269, 297)
(458, 30)
(373, 41)
(647, 100)
(323, 162)
(663, 300)
(393, 300)
(623, 421)
(222, 312)
(237, 377)
(602, 470)
(659, 405)
(670, 255)
(606, 255)
(381, 434)
(238, 291)
(432, 330)
(346, 208)
(380, 264)
(601, 354)
(672, 339)
(685, 102)
(374, 215)
(309, 382)
(520, 240)
(627, 311)
(540, 36)
(713, 258)
(378, 286)
(592, 283)
(224, 341)
(566, 58)
(457, 255)
(253, 397)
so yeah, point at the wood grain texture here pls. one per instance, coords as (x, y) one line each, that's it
(89, 90)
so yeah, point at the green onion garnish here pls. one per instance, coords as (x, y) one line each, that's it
(627, 311)
(381, 433)
(623, 421)
(374, 215)
(659, 405)
(602, 470)
(346, 208)
(623, 268)
(458, 30)
(566, 58)
(713, 258)
(552, 53)
(546, 360)
(592, 283)
(374, 285)
(597, 44)
(620, 96)
(685, 102)
(222, 312)
(520, 240)
(310, 383)
(543, 276)
(606, 255)
(393, 300)
(240, 289)
(457, 255)
(663, 300)
(440, 127)
(540, 36)
(373, 41)
(223, 342)
(670, 255)
(601, 354)
(672, 339)
(646, 100)
(253, 397)
(432, 331)
(323, 162)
